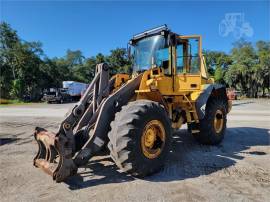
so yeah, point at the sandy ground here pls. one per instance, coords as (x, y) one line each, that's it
(236, 170)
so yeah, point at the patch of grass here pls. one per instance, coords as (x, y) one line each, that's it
(8, 102)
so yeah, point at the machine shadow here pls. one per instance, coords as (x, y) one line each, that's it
(7, 140)
(188, 159)
(96, 172)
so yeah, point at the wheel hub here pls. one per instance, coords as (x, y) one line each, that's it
(218, 121)
(153, 139)
(150, 137)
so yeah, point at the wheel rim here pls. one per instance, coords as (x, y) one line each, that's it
(153, 139)
(218, 121)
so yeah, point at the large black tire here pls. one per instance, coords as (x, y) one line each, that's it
(208, 133)
(125, 136)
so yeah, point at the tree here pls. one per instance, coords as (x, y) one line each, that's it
(240, 73)
(27, 68)
(20, 65)
(263, 67)
(119, 61)
(74, 58)
(219, 75)
(216, 59)
(100, 58)
(8, 41)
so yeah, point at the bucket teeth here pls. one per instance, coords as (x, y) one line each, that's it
(53, 157)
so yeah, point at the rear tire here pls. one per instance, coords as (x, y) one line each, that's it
(131, 146)
(212, 127)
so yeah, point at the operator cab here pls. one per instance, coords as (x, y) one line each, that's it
(173, 54)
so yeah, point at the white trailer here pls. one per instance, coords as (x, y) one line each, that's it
(75, 89)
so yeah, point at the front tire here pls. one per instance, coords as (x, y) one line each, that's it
(212, 127)
(140, 138)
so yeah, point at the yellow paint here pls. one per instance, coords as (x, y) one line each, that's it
(120, 79)
(195, 95)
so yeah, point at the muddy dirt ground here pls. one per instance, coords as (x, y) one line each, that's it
(236, 170)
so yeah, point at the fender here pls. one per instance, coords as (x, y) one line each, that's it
(209, 89)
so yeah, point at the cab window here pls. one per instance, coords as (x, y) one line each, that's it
(187, 56)
(162, 60)
(179, 59)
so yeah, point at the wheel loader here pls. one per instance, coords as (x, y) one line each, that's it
(134, 115)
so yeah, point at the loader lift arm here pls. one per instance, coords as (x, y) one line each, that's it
(60, 154)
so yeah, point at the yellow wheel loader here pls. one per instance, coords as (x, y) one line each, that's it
(134, 115)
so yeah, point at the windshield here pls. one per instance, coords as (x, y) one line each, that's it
(148, 52)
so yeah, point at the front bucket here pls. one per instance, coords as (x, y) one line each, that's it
(53, 156)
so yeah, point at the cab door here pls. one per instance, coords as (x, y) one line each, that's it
(187, 71)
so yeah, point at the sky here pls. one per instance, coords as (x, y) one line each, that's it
(98, 27)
